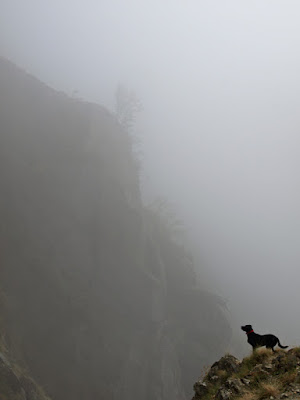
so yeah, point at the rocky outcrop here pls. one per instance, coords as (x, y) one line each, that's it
(263, 375)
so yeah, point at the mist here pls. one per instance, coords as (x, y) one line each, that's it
(219, 83)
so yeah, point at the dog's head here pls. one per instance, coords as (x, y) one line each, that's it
(246, 328)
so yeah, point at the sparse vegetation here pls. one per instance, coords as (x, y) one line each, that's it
(262, 375)
(248, 363)
(268, 390)
(248, 396)
(288, 378)
(296, 351)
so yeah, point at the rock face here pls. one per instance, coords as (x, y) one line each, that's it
(100, 300)
(14, 385)
(263, 375)
(227, 363)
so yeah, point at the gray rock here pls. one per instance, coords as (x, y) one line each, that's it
(234, 385)
(223, 394)
(245, 381)
(200, 389)
(261, 370)
(227, 363)
(284, 395)
(268, 367)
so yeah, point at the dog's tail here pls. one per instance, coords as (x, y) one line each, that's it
(280, 345)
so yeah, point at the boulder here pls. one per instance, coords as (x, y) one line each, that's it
(200, 389)
(235, 385)
(223, 394)
(228, 364)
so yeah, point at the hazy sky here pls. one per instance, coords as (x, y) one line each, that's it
(220, 85)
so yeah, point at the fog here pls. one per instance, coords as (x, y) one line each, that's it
(219, 82)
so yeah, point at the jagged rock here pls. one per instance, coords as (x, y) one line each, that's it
(246, 381)
(268, 367)
(284, 395)
(223, 394)
(261, 371)
(235, 385)
(258, 370)
(200, 389)
(228, 363)
(280, 369)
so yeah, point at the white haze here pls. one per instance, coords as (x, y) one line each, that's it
(220, 85)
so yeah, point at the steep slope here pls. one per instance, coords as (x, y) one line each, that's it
(15, 381)
(101, 302)
(263, 375)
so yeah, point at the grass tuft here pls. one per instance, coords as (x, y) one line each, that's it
(248, 396)
(268, 390)
(287, 378)
(257, 357)
(261, 355)
(296, 351)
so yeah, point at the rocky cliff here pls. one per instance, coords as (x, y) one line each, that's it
(263, 375)
(99, 300)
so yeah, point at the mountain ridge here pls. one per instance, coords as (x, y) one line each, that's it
(262, 375)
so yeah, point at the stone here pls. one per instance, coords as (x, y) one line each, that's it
(284, 395)
(200, 389)
(235, 385)
(223, 394)
(246, 381)
(268, 367)
(227, 363)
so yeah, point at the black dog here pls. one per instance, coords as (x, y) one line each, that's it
(256, 340)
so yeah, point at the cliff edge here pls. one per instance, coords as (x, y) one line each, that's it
(263, 375)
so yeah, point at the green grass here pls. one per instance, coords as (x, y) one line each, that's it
(263, 383)
(257, 357)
